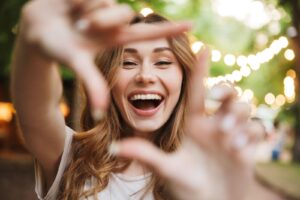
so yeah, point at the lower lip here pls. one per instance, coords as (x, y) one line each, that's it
(146, 113)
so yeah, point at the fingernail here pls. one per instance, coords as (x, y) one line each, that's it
(240, 141)
(82, 25)
(228, 123)
(187, 23)
(98, 115)
(211, 105)
(126, 9)
(216, 93)
(114, 148)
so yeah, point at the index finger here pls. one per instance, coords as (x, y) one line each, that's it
(163, 29)
(197, 87)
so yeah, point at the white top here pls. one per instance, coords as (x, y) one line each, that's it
(120, 187)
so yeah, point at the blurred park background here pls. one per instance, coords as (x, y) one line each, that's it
(255, 44)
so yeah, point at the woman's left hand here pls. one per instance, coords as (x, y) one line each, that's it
(215, 159)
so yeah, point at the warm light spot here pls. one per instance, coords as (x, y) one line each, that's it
(292, 31)
(267, 55)
(274, 27)
(255, 66)
(251, 59)
(197, 46)
(284, 42)
(291, 73)
(289, 89)
(239, 91)
(146, 11)
(6, 112)
(254, 14)
(269, 98)
(246, 71)
(237, 76)
(280, 100)
(248, 94)
(216, 55)
(241, 61)
(229, 59)
(289, 54)
(229, 78)
(64, 109)
(275, 47)
(261, 39)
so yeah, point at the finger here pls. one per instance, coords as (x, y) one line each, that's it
(142, 151)
(106, 18)
(255, 131)
(80, 7)
(83, 65)
(218, 97)
(202, 130)
(223, 93)
(243, 144)
(197, 82)
(249, 134)
(92, 5)
(140, 32)
(236, 113)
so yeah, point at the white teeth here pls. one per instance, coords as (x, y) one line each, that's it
(145, 97)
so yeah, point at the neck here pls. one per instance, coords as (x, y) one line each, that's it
(135, 169)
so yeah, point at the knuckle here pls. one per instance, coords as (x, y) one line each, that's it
(241, 107)
(29, 10)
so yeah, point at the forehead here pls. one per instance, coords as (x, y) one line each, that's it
(147, 44)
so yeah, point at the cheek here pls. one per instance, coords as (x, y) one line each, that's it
(173, 82)
(119, 89)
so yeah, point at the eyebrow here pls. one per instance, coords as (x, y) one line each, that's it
(130, 50)
(156, 50)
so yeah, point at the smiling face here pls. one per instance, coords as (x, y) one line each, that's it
(148, 85)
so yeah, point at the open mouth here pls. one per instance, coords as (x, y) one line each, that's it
(146, 101)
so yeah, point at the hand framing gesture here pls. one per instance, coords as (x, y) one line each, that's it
(214, 161)
(71, 32)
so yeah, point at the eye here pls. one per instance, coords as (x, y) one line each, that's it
(163, 63)
(127, 64)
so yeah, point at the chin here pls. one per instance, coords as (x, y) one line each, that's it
(146, 127)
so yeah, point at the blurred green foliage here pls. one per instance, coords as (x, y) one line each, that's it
(9, 15)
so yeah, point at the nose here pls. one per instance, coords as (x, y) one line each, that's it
(145, 76)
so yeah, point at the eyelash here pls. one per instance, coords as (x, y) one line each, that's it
(163, 63)
(128, 63)
(131, 64)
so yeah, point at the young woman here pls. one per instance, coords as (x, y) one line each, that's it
(169, 148)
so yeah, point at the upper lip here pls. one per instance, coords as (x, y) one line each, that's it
(145, 92)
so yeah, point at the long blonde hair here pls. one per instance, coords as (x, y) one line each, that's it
(90, 157)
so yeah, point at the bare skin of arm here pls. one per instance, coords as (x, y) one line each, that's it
(36, 90)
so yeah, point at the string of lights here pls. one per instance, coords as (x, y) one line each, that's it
(247, 64)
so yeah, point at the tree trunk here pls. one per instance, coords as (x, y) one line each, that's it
(296, 148)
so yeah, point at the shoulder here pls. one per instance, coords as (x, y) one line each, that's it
(66, 156)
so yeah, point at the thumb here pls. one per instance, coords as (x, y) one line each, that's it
(142, 151)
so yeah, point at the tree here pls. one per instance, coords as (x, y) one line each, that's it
(293, 6)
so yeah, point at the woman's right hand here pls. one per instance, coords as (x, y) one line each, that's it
(71, 32)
